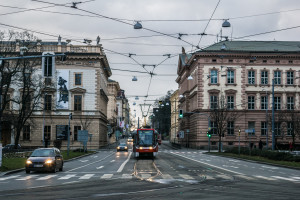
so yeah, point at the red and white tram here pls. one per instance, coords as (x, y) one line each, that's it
(145, 142)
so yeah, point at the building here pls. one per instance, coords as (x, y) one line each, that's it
(112, 108)
(174, 117)
(123, 113)
(75, 89)
(238, 75)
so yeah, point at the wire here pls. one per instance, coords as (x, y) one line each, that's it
(209, 21)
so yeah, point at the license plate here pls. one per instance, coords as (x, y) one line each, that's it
(38, 165)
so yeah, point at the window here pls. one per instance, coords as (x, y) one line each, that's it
(48, 102)
(230, 128)
(251, 102)
(277, 102)
(264, 102)
(48, 65)
(290, 103)
(230, 76)
(264, 77)
(27, 102)
(76, 129)
(290, 128)
(213, 102)
(230, 102)
(277, 77)
(251, 77)
(277, 128)
(251, 128)
(213, 126)
(77, 102)
(47, 133)
(213, 76)
(263, 128)
(78, 80)
(26, 132)
(290, 78)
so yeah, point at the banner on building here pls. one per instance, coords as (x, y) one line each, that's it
(122, 124)
(62, 97)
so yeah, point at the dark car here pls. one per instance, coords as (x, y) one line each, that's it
(122, 147)
(45, 159)
(11, 148)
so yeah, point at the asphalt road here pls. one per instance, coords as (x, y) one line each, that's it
(173, 174)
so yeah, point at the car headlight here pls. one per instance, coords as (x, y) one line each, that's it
(118, 148)
(28, 162)
(125, 147)
(49, 161)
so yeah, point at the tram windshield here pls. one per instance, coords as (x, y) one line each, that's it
(145, 137)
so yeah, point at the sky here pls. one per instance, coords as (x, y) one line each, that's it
(163, 22)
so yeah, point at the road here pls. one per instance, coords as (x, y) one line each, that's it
(173, 174)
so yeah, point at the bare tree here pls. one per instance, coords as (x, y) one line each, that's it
(23, 75)
(220, 116)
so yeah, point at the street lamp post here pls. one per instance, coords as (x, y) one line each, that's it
(273, 123)
(70, 117)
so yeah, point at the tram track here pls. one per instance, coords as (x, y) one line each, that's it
(146, 169)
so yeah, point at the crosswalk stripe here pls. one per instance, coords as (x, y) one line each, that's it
(67, 177)
(46, 177)
(167, 176)
(209, 177)
(245, 177)
(106, 176)
(224, 176)
(10, 177)
(266, 178)
(185, 176)
(26, 178)
(296, 177)
(126, 176)
(87, 176)
(284, 178)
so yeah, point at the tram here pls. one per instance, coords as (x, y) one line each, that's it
(145, 142)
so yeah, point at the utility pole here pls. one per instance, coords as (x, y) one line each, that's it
(267, 140)
(273, 123)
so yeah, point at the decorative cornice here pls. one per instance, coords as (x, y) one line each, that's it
(77, 90)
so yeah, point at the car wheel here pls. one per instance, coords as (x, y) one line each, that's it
(62, 167)
(27, 171)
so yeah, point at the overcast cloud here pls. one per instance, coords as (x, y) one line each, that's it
(83, 27)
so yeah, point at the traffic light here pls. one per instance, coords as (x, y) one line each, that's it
(180, 113)
(208, 133)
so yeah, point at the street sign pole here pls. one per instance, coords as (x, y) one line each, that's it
(208, 144)
(239, 142)
(70, 117)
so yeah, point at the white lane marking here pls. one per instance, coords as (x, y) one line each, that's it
(71, 182)
(209, 164)
(26, 178)
(266, 178)
(92, 162)
(245, 177)
(10, 177)
(269, 167)
(95, 156)
(46, 177)
(67, 177)
(284, 178)
(185, 176)
(83, 161)
(296, 177)
(127, 176)
(282, 173)
(106, 176)
(224, 176)
(230, 166)
(113, 161)
(99, 167)
(167, 176)
(87, 176)
(124, 163)
(234, 160)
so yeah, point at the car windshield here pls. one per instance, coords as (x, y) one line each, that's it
(42, 153)
(122, 144)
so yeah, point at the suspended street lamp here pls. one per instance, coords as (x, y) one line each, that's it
(226, 24)
(134, 78)
(138, 25)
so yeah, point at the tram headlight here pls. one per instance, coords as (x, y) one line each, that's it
(150, 147)
(141, 148)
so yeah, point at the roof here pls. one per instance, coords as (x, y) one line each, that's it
(184, 58)
(255, 46)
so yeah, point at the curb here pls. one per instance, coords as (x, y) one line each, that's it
(255, 161)
(22, 169)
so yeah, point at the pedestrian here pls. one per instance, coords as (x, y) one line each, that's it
(291, 146)
(260, 145)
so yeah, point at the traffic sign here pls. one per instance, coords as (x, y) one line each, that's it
(250, 130)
